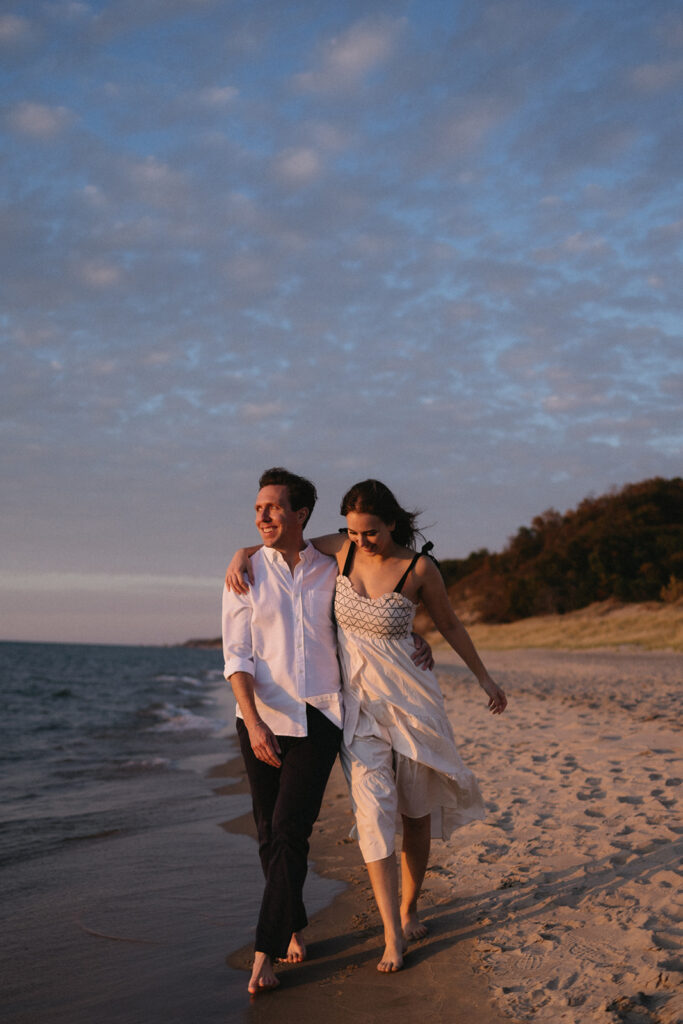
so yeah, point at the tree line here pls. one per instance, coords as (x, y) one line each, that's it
(627, 545)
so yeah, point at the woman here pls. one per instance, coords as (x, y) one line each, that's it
(399, 754)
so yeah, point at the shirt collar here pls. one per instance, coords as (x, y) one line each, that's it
(274, 556)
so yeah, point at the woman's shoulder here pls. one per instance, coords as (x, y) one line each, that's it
(425, 567)
(404, 554)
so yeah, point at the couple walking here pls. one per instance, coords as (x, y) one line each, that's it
(386, 714)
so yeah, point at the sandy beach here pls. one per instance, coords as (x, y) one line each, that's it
(560, 907)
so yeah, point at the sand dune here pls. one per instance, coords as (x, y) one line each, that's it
(651, 626)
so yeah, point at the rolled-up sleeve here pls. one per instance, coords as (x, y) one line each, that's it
(237, 644)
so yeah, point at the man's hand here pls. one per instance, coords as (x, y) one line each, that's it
(234, 576)
(264, 743)
(422, 655)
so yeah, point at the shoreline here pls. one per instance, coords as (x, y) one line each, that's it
(557, 907)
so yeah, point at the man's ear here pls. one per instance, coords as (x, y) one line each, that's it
(302, 514)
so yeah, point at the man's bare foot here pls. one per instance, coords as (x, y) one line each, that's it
(392, 958)
(296, 951)
(413, 929)
(262, 976)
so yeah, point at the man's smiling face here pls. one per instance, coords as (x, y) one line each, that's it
(277, 522)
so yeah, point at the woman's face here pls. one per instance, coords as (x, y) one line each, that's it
(370, 533)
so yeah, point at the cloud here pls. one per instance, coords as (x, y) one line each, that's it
(298, 166)
(217, 96)
(652, 78)
(100, 275)
(38, 120)
(13, 29)
(66, 582)
(156, 182)
(348, 58)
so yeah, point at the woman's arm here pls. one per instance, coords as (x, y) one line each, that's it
(239, 564)
(435, 599)
(329, 544)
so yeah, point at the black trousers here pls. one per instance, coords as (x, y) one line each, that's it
(286, 802)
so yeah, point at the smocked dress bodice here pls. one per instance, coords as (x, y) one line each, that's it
(387, 617)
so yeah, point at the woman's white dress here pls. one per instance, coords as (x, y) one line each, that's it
(387, 696)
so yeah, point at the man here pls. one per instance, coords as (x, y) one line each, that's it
(280, 658)
(279, 643)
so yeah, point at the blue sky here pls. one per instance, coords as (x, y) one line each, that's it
(437, 243)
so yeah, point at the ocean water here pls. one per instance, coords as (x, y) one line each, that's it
(122, 895)
(90, 737)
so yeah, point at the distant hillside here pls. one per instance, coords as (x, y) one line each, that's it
(626, 545)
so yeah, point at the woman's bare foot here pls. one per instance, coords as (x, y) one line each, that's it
(262, 976)
(392, 958)
(413, 929)
(296, 951)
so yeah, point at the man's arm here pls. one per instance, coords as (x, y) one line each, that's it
(263, 741)
(239, 670)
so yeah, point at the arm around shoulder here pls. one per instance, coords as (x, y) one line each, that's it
(239, 564)
(330, 543)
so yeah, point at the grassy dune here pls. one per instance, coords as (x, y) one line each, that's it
(650, 626)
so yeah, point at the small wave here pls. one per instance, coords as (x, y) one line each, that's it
(147, 764)
(174, 719)
(188, 680)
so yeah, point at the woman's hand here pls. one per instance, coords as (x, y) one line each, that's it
(497, 699)
(234, 576)
(422, 655)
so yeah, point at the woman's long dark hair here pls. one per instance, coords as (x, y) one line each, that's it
(375, 499)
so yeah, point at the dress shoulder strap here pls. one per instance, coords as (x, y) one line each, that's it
(425, 548)
(349, 559)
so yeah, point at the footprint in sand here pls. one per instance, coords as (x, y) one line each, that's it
(634, 1009)
(493, 852)
(591, 953)
(674, 963)
(668, 940)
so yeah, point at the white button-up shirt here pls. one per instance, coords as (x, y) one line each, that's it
(282, 633)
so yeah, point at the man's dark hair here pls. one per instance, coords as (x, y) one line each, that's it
(301, 492)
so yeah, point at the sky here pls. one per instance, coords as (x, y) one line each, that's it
(437, 243)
